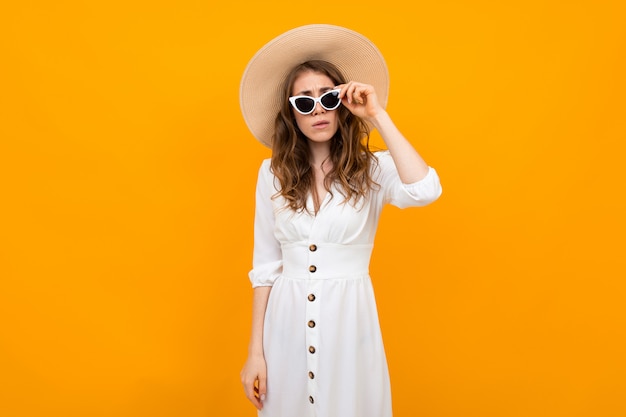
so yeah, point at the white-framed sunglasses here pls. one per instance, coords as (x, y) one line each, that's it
(305, 104)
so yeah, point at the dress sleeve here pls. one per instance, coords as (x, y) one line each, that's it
(401, 195)
(267, 259)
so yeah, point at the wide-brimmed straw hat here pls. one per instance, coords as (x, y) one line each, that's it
(357, 58)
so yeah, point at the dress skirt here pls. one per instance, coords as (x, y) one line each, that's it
(322, 338)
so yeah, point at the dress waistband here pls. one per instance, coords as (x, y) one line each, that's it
(325, 260)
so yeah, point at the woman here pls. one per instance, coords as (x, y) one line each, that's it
(316, 347)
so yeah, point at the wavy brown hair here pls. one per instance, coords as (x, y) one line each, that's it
(350, 154)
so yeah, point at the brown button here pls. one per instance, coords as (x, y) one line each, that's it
(311, 349)
(313, 248)
(311, 324)
(311, 297)
(312, 268)
(311, 400)
(311, 375)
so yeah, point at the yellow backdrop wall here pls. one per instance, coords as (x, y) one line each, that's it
(127, 180)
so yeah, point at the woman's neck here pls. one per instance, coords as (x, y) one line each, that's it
(320, 151)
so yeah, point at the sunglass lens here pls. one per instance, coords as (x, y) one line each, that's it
(330, 100)
(305, 104)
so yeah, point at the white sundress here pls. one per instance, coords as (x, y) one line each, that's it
(322, 340)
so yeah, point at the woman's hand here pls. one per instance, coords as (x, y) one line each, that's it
(254, 379)
(360, 99)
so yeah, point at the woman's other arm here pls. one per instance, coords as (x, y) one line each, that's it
(254, 372)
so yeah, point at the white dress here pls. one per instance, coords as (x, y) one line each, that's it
(322, 339)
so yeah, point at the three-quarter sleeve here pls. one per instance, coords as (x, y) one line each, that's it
(267, 255)
(401, 195)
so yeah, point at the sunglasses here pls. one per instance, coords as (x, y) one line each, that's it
(305, 105)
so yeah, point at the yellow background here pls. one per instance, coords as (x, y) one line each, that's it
(126, 201)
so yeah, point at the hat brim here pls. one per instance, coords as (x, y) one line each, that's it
(355, 56)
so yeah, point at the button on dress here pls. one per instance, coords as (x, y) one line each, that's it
(322, 340)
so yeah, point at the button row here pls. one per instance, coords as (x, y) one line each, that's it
(311, 323)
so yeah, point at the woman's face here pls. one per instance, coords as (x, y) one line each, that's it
(320, 125)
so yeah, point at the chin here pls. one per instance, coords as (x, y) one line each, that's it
(320, 140)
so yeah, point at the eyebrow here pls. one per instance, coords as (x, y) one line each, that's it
(308, 92)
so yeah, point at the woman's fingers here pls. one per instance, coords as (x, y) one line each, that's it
(355, 92)
(360, 99)
(252, 391)
(253, 396)
(253, 377)
(262, 390)
(356, 96)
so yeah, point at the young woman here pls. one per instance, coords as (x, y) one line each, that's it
(313, 94)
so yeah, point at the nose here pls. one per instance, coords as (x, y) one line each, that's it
(318, 109)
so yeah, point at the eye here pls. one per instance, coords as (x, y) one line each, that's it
(305, 104)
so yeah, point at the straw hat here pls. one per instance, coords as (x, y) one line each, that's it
(357, 58)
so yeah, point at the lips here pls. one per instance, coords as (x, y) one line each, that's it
(321, 124)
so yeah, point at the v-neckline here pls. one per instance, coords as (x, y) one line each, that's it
(323, 203)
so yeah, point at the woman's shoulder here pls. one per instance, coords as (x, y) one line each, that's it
(265, 167)
(381, 153)
(266, 163)
(382, 158)
(265, 170)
